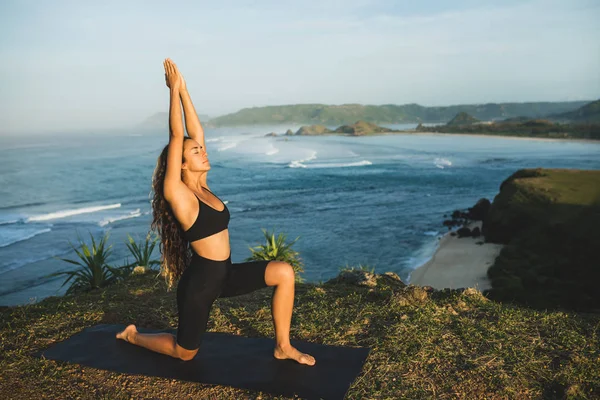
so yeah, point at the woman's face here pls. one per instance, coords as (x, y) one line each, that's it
(195, 156)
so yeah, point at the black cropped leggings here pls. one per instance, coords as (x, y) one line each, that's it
(202, 282)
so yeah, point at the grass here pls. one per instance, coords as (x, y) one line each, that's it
(425, 344)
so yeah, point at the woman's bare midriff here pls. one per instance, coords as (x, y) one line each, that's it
(214, 247)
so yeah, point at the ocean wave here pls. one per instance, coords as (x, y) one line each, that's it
(15, 237)
(228, 146)
(68, 213)
(13, 221)
(212, 140)
(333, 165)
(299, 163)
(442, 162)
(132, 214)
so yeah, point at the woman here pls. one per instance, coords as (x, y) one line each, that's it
(187, 214)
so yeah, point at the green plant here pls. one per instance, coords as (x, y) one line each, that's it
(277, 249)
(142, 252)
(359, 268)
(95, 272)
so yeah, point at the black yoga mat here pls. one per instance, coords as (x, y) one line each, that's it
(223, 359)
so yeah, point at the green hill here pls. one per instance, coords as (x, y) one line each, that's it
(548, 219)
(522, 127)
(588, 113)
(335, 115)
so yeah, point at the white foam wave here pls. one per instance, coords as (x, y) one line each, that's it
(431, 233)
(7, 241)
(336, 165)
(212, 140)
(227, 146)
(442, 162)
(14, 221)
(68, 213)
(299, 163)
(132, 214)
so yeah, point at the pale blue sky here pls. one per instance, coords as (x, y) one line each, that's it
(98, 64)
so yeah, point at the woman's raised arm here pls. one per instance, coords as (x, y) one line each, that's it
(192, 122)
(174, 84)
(175, 152)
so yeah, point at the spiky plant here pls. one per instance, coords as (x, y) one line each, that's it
(95, 272)
(277, 249)
(142, 252)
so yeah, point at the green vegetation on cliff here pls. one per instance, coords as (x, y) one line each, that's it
(548, 219)
(322, 114)
(522, 127)
(588, 113)
(359, 128)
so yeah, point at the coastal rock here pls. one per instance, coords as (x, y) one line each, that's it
(360, 128)
(313, 130)
(355, 277)
(289, 132)
(365, 278)
(474, 293)
(140, 269)
(452, 222)
(271, 134)
(464, 232)
(479, 210)
(392, 275)
(476, 232)
(410, 295)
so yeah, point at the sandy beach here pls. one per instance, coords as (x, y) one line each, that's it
(458, 263)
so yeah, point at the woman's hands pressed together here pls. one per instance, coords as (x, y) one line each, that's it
(173, 77)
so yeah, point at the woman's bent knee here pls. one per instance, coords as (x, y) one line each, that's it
(278, 272)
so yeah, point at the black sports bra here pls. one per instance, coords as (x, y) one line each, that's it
(208, 222)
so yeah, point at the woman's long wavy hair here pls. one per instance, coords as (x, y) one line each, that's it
(174, 247)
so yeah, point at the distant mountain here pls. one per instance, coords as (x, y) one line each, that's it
(160, 120)
(588, 113)
(336, 115)
(463, 119)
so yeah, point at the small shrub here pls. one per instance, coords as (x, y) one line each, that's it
(95, 273)
(276, 249)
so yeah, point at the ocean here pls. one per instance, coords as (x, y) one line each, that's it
(377, 201)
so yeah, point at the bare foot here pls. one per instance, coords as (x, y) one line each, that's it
(294, 354)
(128, 334)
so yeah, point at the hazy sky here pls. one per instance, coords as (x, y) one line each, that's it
(98, 64)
